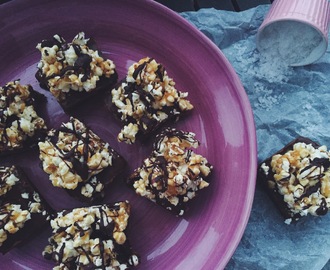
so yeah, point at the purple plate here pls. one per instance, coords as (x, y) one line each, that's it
(127, 30)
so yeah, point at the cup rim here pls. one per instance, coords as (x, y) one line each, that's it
(324, 42)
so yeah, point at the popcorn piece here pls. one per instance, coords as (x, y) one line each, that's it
(91, 238)
(73, 72)
(297, 179)
(173, 174)
(78, 160)
(21, 126)
(145, 99)
(23, 212)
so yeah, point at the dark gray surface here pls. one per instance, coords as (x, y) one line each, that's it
(194, 5)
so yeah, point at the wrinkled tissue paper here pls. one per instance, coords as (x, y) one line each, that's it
(287, 102)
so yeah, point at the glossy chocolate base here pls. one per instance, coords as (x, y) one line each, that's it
(74, 98)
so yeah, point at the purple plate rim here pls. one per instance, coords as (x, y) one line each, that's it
(244, 106)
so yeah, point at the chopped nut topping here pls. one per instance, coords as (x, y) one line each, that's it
(302, 176)
(173, 173)
(146, 98)
(92, 237)
(75, 154)
(71, 66)
(19, 120)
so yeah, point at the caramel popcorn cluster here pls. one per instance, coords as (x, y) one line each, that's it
(76, 155)
(13, 218)
(19, 203)
(19, 118)
(146, 98)
(72, 66)
(173, 174)
(91, 238)
(302, 177)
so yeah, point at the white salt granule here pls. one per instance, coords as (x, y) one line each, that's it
(267, 98)
(260, 66)
(294, 43)
(260, 74)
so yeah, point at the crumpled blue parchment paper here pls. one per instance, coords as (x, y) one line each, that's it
(286, 102)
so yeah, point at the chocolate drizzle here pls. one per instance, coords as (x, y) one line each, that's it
(81, 66)
(139, 69)
(173, 132)
(74, 156)
(52, 42)
(159, 169)
(160, 72)
(5, 217)
(318, 163)
(323, 209)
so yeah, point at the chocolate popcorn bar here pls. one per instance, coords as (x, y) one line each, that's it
(146, 99)
(21, 125)
(77, 160)
(173, 174)
(91, 238)
(73, 72)
(297, 178)
(23, 212)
